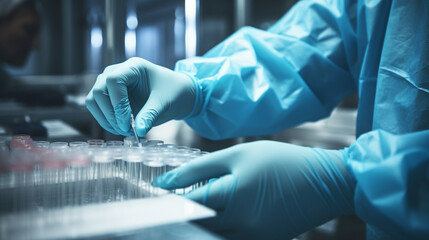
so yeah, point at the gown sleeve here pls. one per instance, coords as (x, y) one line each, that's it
(260, 82)
(392, 181)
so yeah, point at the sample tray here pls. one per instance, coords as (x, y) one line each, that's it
(131, 209)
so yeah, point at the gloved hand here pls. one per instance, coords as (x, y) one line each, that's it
(153, 93)
(267, 189)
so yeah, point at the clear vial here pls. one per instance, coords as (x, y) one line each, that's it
(173, 160)
(131, 156)
(95, 143)
(59, 145)
(78, 144)
(202, 183)
(186, 154)
(53, 169)
(41, 144)
(132, 159)
(154, 143)
(114, 143)
(195, 152)
(60, 151)
(21, 167)
(21, 136)
(115, 148)
(104, 157)
(153, 165)
(20, 141)
(17, 141)
(129, 141)
(103, 165)
(79, 163)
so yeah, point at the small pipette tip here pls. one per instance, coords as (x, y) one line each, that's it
(133, 126)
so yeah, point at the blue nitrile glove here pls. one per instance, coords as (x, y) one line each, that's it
(156, 93)
(267, 189)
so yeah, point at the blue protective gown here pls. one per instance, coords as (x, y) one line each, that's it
(260, 82)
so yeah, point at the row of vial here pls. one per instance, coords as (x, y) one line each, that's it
(80, 172)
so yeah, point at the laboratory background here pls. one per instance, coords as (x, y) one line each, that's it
(77, 39)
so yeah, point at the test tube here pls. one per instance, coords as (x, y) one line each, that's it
(132, 159)
(195, 152)
(114, 143)
(21, 166)
(59, 145)
(41, 144)
(95, 141)
(103, 173)
(52, 168)
(93, 146)
(21, 136)
(78, 144)
(115, 148)
(204, 182)
(79, 170)
(129, 141)
(20, 141)
(185, 154)
(154, 143)
(153, 165)
(38, 148)
(167, 152)
(172, 159)
(60, 151)
(103, 156)
(167, 147)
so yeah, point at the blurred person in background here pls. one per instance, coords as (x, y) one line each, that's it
(19, 35)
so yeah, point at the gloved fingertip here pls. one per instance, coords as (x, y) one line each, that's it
(196, 195)
(166, 181)
(142, 127)
(141, 132)
(156, 182)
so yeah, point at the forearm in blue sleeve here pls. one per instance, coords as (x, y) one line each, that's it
(392, 181)
(260, 82)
